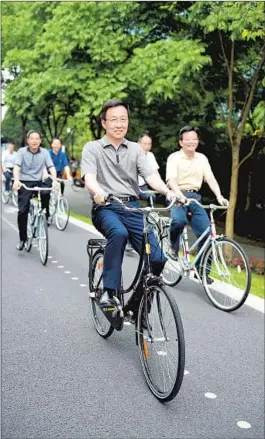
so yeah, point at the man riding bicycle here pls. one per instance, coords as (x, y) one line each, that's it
(186, 170)
(30, 163)
(60, 161)
(8, 162)
(111, 165)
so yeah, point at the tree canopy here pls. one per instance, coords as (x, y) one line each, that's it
(176, 63)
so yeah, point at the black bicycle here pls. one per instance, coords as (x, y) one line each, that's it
(158, 328)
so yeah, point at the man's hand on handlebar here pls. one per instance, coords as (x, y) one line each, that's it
(16, 185)
(222, 201)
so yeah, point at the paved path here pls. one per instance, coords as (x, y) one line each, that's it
(61, 380)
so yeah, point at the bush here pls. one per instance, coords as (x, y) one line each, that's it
(257, 265)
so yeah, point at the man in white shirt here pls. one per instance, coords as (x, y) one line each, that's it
(8, 161)
(145, 142)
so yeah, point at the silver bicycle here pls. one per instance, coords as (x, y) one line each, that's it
(7, 195)
(37, 229)
(59, 208)
(223, 271)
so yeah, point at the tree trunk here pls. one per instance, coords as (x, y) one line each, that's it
(247, 205)
(229, 225)
(24, 120)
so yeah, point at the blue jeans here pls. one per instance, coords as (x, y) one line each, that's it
(118, 225)
(199, 221)
(8, 176)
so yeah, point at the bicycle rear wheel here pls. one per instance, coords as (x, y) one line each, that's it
(15, 198)
(101, 323)
(161, 343)
(5, 195)
(62, 214)
(43, 239)
(227, 265)
(172, 272)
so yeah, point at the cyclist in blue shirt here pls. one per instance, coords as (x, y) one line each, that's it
(60, 161)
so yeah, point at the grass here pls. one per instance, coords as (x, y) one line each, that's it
(81, 218)
(257, 282)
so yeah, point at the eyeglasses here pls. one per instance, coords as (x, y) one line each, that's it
(114, 121)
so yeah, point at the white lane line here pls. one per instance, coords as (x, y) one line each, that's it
(210, 395)
(60, 266)
(55, 262)
(49, 257)
(243, 424)
(186, 372)
(10, 224)
(74, 278)
(67, 272)
(83, 285)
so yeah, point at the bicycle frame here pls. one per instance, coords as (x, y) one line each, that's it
(212, 237)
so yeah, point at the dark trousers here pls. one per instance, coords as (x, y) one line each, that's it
(8, 176)
(59, 175)
(199, 220)
(118, 225)
(146, 197)
(62, 187)
(24, 197)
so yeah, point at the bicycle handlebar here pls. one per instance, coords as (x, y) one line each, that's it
(206, 206)
(35, 188)
(144, 210)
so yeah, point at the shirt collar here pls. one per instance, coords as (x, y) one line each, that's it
(55, 155)
(183, 155)
(38, 150)
(105, 142)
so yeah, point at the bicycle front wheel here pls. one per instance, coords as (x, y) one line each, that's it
(172, 272)
(227, 266)
(101, 323)
(30, 229)
(161, 343)
(43, 239)
(62, 214)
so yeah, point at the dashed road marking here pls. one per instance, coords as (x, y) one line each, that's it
(74, 278)
(60, 266)
(67, 272)
(210, 395)
(55, 262)
(83, 285)
(243, 424)
(186, 372)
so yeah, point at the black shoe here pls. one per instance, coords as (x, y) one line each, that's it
(106, 300)
(172, 253)
(209, 280)
(21, 245)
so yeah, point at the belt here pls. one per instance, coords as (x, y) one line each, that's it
(128, 198)
(189, 190)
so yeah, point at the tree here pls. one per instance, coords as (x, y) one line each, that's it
(239, 52)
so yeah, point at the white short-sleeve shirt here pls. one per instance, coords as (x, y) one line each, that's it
(152, 163)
